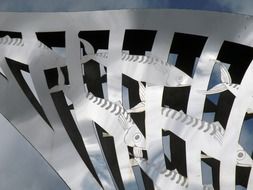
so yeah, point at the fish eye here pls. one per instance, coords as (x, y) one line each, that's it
(240, 154)
(137, 137)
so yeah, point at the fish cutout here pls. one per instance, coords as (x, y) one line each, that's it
(214, 129)
(133, 137)
(137, 67)
(242, 158)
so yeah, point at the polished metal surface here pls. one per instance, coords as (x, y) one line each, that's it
(98, 96)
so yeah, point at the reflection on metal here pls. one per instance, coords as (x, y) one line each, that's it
(96, 96)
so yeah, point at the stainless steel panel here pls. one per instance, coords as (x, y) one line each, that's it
(57, 100)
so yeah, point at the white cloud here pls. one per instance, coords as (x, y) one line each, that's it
(78, 5)
(238, 6)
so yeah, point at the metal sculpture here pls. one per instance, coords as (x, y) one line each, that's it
(98, 96)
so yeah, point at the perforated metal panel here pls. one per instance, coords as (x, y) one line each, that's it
(147, 99)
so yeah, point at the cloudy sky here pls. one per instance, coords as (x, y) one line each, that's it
(237, 6)
(46, 179)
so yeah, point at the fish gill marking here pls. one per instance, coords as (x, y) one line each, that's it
(196, 123)
(15, 41)
(89, 96)
(123, 56)
(185, 118)
(167, 114)
(151, 60)
(189, 122)
(194, 120)
(180, 116)
(109, 106)
(163, 110)
(131, 58)
(6, 40)
(114, 108)
(3, 40)
(184, 181)
(179, 179)
(137, 152)
(99, 101)
(169, 174)
(95, 99)
(207, 128)
(145, 60)
(18, 42)
(127, 57)
(141, 59)
(103, 105)
(119, 111)
(173, 175)
(173, 114)
(212, 128)
(135, 59)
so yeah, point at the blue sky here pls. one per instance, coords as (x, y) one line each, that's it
(236, 6)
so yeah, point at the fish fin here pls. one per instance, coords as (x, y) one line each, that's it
(138, 108)
(203, 156)
(104, 134)
(142, 91)
(7, 37)
(61, 78)
(225, 76)
(214, 90)
(88, 48)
